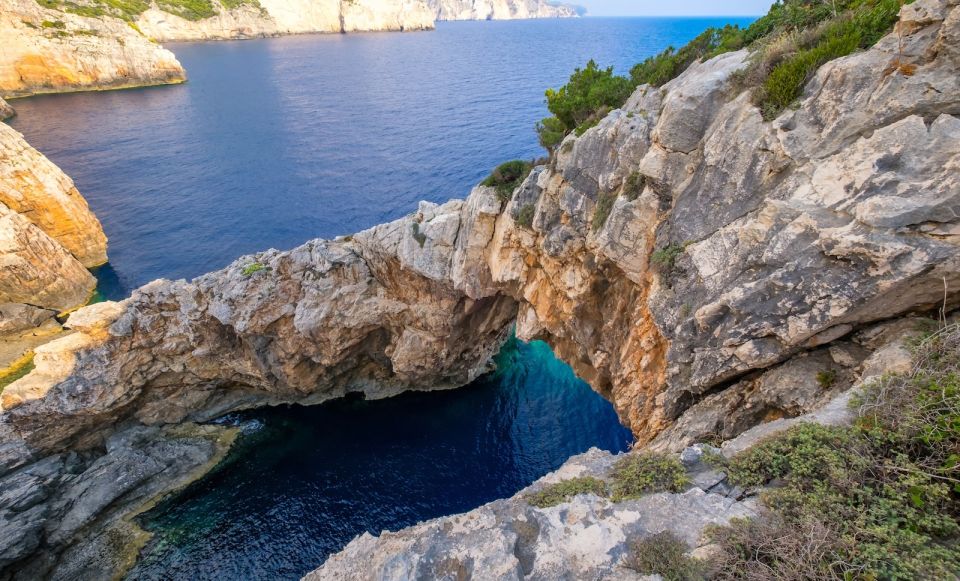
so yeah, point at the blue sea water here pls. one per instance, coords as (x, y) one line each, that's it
(277, 141)
(305, 481)
(273, 142)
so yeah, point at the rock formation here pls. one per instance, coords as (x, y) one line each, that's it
(33, 186)
(46, 51)
(700, 267)
(6, 111)
(48, 238)
(499, 9)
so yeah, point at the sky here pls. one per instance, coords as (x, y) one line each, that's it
(674, 7)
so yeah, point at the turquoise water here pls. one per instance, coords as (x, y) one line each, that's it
(302, 482)
(277, 141)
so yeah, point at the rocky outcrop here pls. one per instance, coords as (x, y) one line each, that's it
(273, 17)
(499, 9)
(33, 186)
(587, 537)
(50, 237)
(737, 278)
(36, 269)
(47, 51)
(591, 536)
(6, 111)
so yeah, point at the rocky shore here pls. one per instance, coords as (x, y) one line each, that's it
(700, 267)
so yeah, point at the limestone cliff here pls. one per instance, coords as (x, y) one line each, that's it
(48, 51)
(36, 188)
(50, 236)
(738, 260)
(273, 17)
(499, 9)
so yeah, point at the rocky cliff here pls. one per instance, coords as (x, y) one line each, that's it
(273, 17)
(48, 238)
(499, 9)
(47, 51)
(699, 266)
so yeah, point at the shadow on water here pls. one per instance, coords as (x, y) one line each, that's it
(303, 481)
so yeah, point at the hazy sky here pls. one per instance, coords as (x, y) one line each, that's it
(674, 7)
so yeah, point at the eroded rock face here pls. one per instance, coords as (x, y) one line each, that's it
(72, 52)
(33, 186)
(37, 270)
(499, 9)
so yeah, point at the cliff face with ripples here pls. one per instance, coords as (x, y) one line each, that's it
(752, 257)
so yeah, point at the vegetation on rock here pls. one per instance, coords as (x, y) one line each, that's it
(665, 555)
(644, 473)
(525, 215)
(252, 268)
(419, 236)
(507, 176)
(788, 45)
(876, 500)
(129, 10)
(563, 491)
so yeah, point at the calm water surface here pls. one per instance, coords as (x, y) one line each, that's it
(277, 141)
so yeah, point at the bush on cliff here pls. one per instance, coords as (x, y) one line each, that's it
(565, 490)
(788, 45)
(507, 177)
(877, 500)
(578, 102)
(635, 475)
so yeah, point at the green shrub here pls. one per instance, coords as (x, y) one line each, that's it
(507, 177)
(633, 186)
(827, 378)
(666, 555)
(252, 268)
(789, 44)
(643, 473)
(669, 64)
(563, 491)
(525, 216)
(666, 258)
(604, 206)
(578, 103)
(53, 24)
(876, 500)
(419, 236)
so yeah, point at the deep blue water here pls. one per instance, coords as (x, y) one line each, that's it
(305, 481)
(277, 141)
